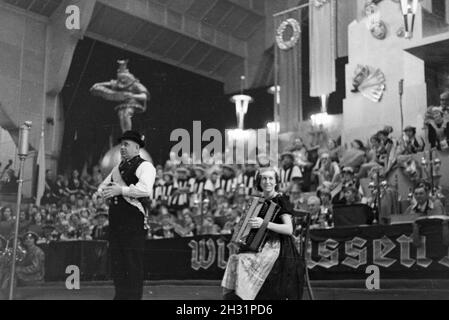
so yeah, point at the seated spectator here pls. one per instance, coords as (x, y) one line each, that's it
(46, 215)
(334, 151)
(209, 227)
(88, 184)
(376, 157)
(355, 156)
(31, 270)
(9, 183)
(221, 203)
(49, 234)
(228, 228)
(85, 230)
(299, 152)
(64, 230)
(437, 130)
(384, 136)
(346, 179)
(290, 173)
(97, 176)
(351, 196)
(410, 144)
(296, 198)
(166, 230)
(326, 203)
(227, 181)
(188, 226)
(60, 187)
(74, 231)
(319, 219)
(240, 199)
(424, 205)
(24, 222)
(6, 222)
(444, 101)
(37, 224)
(326, 170)
(101, 229)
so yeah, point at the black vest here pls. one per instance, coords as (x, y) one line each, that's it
(128, 170)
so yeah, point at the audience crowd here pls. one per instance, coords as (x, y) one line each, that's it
(191, 200)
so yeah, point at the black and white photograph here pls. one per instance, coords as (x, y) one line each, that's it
(224, 155)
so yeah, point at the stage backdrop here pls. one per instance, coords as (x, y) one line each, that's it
(337, 254)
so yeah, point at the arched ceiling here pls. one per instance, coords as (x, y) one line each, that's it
(208, 37)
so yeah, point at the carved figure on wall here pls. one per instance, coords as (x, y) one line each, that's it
(128, 91)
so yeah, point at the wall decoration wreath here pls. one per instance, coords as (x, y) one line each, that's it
(290, 43)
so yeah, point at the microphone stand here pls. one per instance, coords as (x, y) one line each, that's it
(23, 153)
(401, 94)
(432, 181)
(306, 238)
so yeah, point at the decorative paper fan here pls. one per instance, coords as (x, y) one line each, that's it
(369, 82)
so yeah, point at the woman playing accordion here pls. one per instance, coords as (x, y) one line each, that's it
(276, 272)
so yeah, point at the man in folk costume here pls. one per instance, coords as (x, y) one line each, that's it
(166, 189)
(180, 199)
(200, 185)
(290, 173)
(247, 179)
(156, 194)
(127, 188)
(227, 180)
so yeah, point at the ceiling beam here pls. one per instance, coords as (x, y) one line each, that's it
(152, 55)
(157, 15)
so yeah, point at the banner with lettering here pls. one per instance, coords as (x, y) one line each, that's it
(346, 253)
(334, 254)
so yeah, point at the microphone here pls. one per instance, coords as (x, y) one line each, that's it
(401, 87)
(24, 139)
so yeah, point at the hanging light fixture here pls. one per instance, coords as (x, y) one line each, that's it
(276, 90)
(241, 102)
(409, 9)
(322, 118)
(273, 127)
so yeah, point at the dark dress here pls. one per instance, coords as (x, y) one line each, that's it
(286, 279)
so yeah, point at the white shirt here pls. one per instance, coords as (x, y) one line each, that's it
(146, 173)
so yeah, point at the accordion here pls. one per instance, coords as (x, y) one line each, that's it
(244, 236)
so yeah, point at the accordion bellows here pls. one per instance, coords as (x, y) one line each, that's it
(249, 239)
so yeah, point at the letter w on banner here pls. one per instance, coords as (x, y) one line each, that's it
(288, 68)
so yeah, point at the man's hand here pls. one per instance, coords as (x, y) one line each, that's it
(256, 223)
(95, 196)
(112, 190)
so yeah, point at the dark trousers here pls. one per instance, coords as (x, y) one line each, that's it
(126, 245)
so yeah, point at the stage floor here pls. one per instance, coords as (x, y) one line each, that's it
(210, 290)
